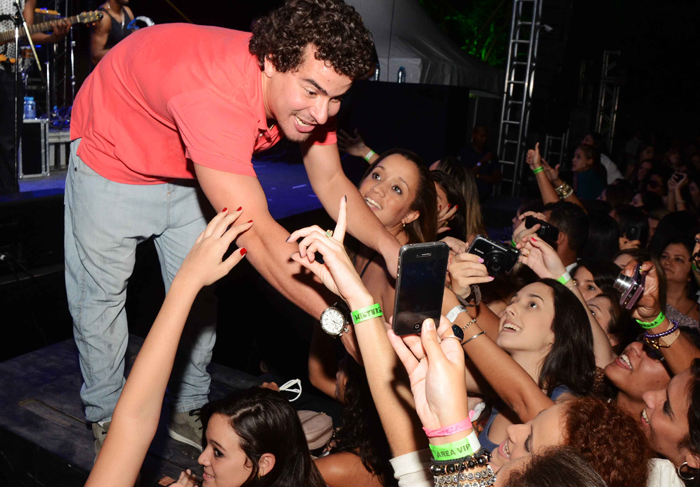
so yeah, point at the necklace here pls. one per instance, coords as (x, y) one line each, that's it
(123, 14)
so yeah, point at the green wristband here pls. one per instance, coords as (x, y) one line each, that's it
(537, 170)
(648, 325)
(450, 451)
(364, 314)
(566, 277)
(695, 268)
(513, 244)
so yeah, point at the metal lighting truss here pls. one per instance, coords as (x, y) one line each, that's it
(517, 96)
(608, 98)
(61, 63)
(555, 148)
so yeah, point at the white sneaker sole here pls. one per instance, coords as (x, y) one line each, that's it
(177, 437)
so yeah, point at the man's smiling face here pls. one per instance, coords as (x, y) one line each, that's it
(301, 99)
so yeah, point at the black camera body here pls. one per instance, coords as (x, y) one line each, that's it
(498, 259)
(547, 232)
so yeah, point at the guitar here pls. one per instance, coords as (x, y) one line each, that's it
(83, 18)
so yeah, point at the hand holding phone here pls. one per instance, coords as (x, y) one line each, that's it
(420, 285)
(547, 232)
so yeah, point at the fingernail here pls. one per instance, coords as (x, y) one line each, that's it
(491, 278)
(239, 208)
(456, 206)
(287, 239)
(429, 324)
(440, 208)
(243, 251)
(250, 221)
(346, 198)
(481, 261)
(533, 239)
(224, 210)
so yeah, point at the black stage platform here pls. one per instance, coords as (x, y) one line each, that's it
(44, 439)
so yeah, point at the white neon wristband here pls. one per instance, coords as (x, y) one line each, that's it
(369, 155)
(565, 278)
(454, 312)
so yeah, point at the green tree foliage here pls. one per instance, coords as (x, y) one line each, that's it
(479, 27)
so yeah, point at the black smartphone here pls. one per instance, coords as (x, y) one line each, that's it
(498, 259)
(420, 283)
(547, 232)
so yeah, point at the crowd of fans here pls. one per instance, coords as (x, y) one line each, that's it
(549, 378)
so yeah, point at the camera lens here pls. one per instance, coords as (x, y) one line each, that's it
(623, 283)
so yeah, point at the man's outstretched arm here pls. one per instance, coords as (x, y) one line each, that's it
(268, 250)
(330, 184)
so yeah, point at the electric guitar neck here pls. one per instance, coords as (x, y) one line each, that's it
(83, 18)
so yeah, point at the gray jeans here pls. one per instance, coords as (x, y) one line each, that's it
(104, 221)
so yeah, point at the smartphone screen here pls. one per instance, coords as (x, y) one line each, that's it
(419, 286)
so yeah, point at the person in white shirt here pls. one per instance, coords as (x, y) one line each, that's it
(596, 140)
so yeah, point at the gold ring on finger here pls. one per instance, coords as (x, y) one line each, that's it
(329, 233)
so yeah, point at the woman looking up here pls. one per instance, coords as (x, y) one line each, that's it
(681, 287)
(586, 166)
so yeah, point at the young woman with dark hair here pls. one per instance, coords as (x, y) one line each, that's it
(449, 195)
(253, 438)
(553, 467)
(681, 286)
(592, 275)
(614, 319)
(474, 220)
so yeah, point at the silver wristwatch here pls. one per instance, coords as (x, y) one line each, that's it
(334, 321)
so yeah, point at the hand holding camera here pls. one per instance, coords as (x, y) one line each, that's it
(640, 290)
(539, 256)
(465, 270)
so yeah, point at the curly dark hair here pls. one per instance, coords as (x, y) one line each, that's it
(334, 29)
(609, 439)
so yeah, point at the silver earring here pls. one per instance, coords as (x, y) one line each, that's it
(683, 474)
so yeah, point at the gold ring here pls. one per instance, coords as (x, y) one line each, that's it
(329, 233)
(524, 254)
(422, 358)
(452, 336)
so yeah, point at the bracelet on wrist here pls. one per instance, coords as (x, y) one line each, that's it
(452, 429)
(648, 325)
(369, 155)
(457, 449)
(460, 471)
(674, 327)
(537, 170)
(564, 278)
(364, 314)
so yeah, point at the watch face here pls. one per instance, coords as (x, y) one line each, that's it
(332, 321)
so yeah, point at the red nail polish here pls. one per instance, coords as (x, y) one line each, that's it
(239, 208)
(243, 251)
(250, 221)
(456, 206)
(533, 239)
(224, 210)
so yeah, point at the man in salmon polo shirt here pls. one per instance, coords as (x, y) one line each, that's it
(164, 129)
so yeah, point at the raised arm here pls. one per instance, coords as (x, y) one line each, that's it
(390, 392)
(267, 240)
(330, 184)
(136, 416)
(678, 351)
(547, 178)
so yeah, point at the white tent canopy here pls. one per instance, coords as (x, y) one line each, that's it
(405, 36)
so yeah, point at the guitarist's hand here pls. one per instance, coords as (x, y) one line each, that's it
(60, 30)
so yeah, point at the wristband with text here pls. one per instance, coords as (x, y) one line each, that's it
(458, 449)
(369, 155)
(648, 325)
(364, 314)
(566, 277)
(537, 170)
(464, 425)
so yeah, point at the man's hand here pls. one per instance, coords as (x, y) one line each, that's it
(60, 30)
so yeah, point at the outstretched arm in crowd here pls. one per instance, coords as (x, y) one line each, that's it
(545, 262)
(392, 397)
(547, 178)
(330, 184)
(137, 413)
(678, 351)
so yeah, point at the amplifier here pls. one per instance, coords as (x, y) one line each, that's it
(34, 149)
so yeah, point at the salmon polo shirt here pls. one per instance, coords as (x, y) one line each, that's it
(170, 95)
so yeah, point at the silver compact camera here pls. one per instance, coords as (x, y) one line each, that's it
(631, 288)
